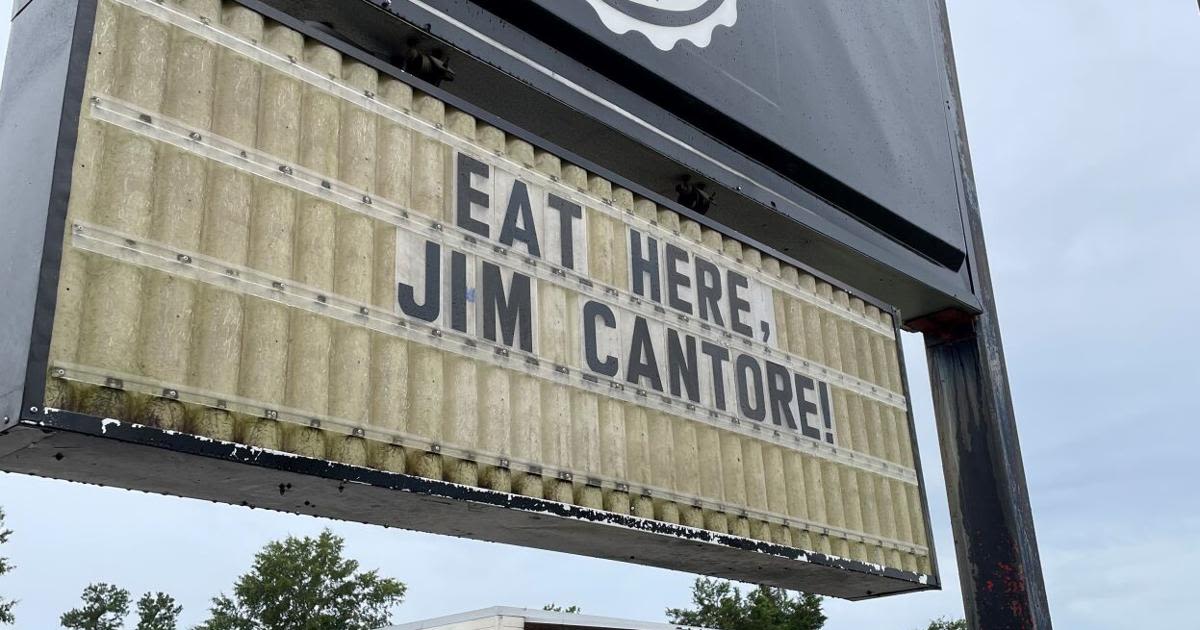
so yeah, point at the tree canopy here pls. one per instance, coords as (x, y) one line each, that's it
(306, 584)
(718, 604)
(947, 624)
(158, 611)
(105, 607)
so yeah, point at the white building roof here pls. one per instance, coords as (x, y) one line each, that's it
(506, 618)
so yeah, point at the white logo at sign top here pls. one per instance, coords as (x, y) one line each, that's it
(667, 22)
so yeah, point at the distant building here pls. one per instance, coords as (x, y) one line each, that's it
(504, 618)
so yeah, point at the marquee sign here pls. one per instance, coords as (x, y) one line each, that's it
(277, 247)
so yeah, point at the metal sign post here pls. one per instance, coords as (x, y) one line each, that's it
(998, 562)
(999, 568)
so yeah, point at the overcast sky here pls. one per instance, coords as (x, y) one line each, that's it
(1082, 117)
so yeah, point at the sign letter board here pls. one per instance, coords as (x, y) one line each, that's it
(292, 262)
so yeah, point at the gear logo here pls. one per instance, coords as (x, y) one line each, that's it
(667, 22)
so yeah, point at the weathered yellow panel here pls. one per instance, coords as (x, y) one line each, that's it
(274, 245)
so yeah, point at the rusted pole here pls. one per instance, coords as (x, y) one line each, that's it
(999, 567)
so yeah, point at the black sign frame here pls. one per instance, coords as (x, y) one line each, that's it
(53, 43)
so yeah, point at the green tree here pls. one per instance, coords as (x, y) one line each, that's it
(6, 606)
(104, 608)
(306, 584)
(942, 623)
(158, 611)
(719, 605)
(570, 610)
